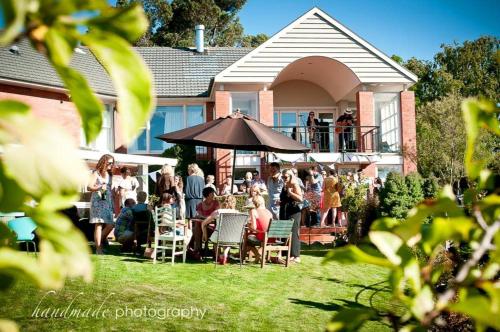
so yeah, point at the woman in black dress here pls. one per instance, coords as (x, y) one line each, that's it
(291, 198)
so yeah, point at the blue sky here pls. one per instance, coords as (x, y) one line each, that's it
(406, 28)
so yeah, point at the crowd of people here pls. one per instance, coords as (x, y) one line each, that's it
(307, 201)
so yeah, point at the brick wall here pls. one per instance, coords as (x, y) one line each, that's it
(408, 132)
(266, 111)
(224, 161)
(365, 117)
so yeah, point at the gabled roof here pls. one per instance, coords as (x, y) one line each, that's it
(316, 34)
(29, 66)
(181, 72)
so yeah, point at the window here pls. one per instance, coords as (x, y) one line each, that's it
(387, 118)
(383, 170)
(166, 119)
(246, 102)
(103, 142)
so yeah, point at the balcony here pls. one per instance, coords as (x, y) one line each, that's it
(327, 139)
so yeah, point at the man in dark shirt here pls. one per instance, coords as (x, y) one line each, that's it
(344, 129)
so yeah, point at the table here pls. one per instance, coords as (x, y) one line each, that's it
(5, 217)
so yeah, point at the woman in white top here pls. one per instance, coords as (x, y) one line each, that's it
(128, 185)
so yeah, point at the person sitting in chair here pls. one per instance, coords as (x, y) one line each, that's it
(227, 206)
(124, 228)
(260, 217)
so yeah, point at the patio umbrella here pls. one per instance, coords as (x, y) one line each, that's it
(235, 132)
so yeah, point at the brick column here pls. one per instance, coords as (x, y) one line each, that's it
(266, 111)
(365, 117)
(408, 132)
(223, 158)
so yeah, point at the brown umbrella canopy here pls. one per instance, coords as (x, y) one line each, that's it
(236, 131)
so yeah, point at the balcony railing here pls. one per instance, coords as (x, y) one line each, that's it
(335, 138)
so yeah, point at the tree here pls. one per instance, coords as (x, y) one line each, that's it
(471, 286)
(254, 40)
(469, 70)
(172, 24)
(39, 165)
(394, 199)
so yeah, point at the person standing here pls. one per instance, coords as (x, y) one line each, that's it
(193, 189)
(331, 197)
(274, 186)
(344, 129)
(210, 182)
(180, 202)
(313, 130)
(291, 198)
(101, 200)
(165, 183)
(128, 186)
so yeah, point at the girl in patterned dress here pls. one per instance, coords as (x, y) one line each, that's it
(101, 201)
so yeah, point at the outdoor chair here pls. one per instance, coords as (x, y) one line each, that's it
(281, 232)
(164, 217)
(143, 224)
(24, 228)
(229, 232)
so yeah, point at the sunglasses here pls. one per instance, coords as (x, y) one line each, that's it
(110, 163)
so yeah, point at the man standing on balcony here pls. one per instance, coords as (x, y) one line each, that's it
(344, 129)
(274, 187)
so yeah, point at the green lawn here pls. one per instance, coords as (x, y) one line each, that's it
(301, 298)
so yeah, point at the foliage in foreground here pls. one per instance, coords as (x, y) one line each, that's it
(40, 171)
(474, 288)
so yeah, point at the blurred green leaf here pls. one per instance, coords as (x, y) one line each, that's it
(423, 303)
(351, 254)
(129, 23)
(7, 237)
(60, 46)
(88, 105)
(477, 114)
(131, 79)
(61, 172)
(388, 244)
(443, 229)
(19, 265)
(14, 13)
(12, 197)
(480, 308)
(350, 319)
(67, 241)
(8, 326)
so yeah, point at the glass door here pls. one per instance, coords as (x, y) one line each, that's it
(326, 135)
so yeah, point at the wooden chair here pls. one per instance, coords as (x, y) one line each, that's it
(281, 231)
(164, 217)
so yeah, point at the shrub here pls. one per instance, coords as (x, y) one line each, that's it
(430, 187)
(354, 204)
(394, 197)
(414, 184)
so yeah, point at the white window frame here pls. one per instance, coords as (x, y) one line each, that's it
(256, 94)
(398, 115)
(148, 126)
(109, 110)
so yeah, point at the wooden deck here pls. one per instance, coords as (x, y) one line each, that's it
(325, 235)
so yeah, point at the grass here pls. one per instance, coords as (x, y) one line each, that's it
(301, 298)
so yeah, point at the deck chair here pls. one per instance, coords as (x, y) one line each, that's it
(24, 228)
(281, 231)
(229, 232)
(169, 237)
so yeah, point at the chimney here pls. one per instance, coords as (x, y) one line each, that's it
(200, 40)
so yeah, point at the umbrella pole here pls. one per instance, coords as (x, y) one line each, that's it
(234, 169)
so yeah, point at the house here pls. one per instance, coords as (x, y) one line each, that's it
(315, 64)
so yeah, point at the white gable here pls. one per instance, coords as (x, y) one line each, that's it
(316, 34)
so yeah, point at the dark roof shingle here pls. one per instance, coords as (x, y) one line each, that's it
(177, 72)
